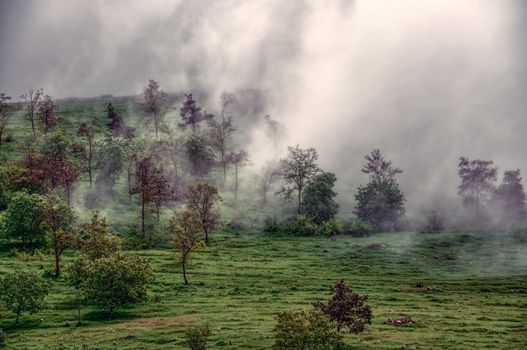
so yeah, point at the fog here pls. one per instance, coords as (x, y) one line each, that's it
(425, 81)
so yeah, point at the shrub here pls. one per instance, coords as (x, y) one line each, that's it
(235, 225)
(271, 224)
(329, 228)
(308, 330)
(360, 228)
(302, 226)
(197, 337)
(2, 337)
(433, 223)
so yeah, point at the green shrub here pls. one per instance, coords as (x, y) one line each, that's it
(433, 223)
(271, 224)
(2, 337)
(302, 226)
(197, 337)
(360, 228)
(329, 228)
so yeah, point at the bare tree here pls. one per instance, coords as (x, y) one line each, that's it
(6, 112)
(32, 98)
(155, 100)
(266, 179)
(87, 131)
(46, 113)
(239, 160)
(296, 170)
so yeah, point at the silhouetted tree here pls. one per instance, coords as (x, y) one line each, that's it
(478, 179)
(238, 160)
(86, 150)
(202, 199)
(117, 125)
(6, 112)
(111, 157)
(269, 175)
(200, 160)
(275, 131)
(510, 197)
(192, 115)
(318, 202)
(347, 308)
(32, 100)
(155, 101)
(296, 170)
(46, 112)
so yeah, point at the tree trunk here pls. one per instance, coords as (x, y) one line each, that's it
(206, 236)
(17, 316)
(57, 263)
(68, 195)
(236, 184)
(89, 165)
(143, 216)
(1, 132)
(183, 264)
(299, 209)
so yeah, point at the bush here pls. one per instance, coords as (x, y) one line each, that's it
(309, 330)
(360, 228)
(235, 225)
(271, 224)
(2, 337)
(302, 226)
(197, 337)
(329, 228)
(433, 223)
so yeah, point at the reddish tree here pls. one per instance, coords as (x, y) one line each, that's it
(46, 112)
(201, 198)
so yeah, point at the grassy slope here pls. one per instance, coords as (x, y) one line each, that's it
(477, 297)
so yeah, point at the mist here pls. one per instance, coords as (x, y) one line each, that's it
(424, 81)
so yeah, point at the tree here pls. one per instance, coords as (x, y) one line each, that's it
(200, 159)
(305, 330)
(23, 291)
(117, 125)
(151, 184)
(510, 197)
(318, 202)
(155, 100)
(46, 112)
(110, 159)
(275, 131)
(87, 132)
(347, 308)
(197, 337)
(96, 240)
(202, 198)
(185, 227)
(23, 217)
(266, 179)
(117, 281)
(57, 224)
(6, 112)
(296, 170)
(32, 100)
(239, 160)
(221, 131)
(192, 115)
(379, 203)
(379, 169)
(76, 274)
(478, 179)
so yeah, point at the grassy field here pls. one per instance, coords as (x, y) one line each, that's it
(475, 294)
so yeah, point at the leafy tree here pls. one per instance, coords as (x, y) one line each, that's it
(378, 168)
(239, 160)
(87, 132)
(185, 227)
(151, 185)
(306, 330)
(379, 203)
(192, 115)
(296, 170)
(266, 179)
(510, 197)
(32, 100)
(23, 291)
(200, 158)
(202, 199)
(96, 240)
(117, 125)
(110, 159)
(477, 182)
(76, 275)
(47, 113)
(23, 217)
(6, 112)
(117, 281)
(319, 198)
(221, 130)
(347, 308)
(197, 337)
(155, 100)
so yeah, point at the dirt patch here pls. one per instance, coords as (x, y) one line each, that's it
(401, 321)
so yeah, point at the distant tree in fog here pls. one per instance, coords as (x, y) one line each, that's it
(238, 160)
(6, 112)
(86, 149)
(510, 197)
(268, 176)
(111, 157)
(275, 131)
(378, 168)
(478, 179)
(155, 101)
(32, 100)
(221, 130)
(116, 124)
(296, 170)
(200, 159)
(319, 198)
(46, 113)
(202, 199)
(192, 115)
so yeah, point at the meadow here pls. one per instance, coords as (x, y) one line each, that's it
(464, 290)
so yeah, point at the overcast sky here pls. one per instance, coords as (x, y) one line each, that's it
(426, 81)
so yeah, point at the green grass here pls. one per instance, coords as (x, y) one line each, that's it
(476, 296)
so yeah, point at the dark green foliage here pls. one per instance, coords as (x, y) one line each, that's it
(3, 337)
(200, 159)
(197, 337)
(360, 228)
(433, 223)
(318, 201)
(271, 224)
(478, 179)
(305, 330)
(111, 159)
(379, 203)
(329, 227)
(346, 308)
(192, 115)
(302, 226)
(23, 291)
